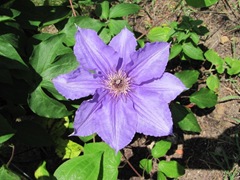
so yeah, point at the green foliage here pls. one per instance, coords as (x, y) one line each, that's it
(98, 161)
(213, 83)
(6, 173)
(82, 167)
(171, 169)
(204, 98)
(214, 58)
(6, 131)
(159, 34)
(232, 66)
(160, 149)
(123, 9)
(188, 77)
(184, 118)
(201, 3)
(41, 171)
(146, 164)
(166, 169)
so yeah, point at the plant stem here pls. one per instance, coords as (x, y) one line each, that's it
(74, 13)
(131, 166)
(11, 158)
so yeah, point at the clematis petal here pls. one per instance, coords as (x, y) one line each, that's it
(86, 119)
(93, 53)
(154, 116)
(124, 43)
(117, 122)
(76, 84)
(168, 87)
(149, 62)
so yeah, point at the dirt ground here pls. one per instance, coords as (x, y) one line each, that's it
(212, 154)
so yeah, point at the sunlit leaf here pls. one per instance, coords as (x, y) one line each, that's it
(192, 51)
(85, 167)
(215, 59)
(171, 169)
(115, 26)
(111, 159)
(123, 9)
(41, 171)
(213, 83)
(175, 50)
(146, 165)
(204, 98)
(161, 34)
(188, 77)
(233, 66)
(67, 149)
(70, 28)
(160, 148)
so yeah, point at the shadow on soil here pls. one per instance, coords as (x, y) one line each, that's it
(220, 153)
(199, 153)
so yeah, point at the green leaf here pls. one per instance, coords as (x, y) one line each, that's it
(83, 167)
(201, 3)
(104, 10)
(188, 77)
(182, 36)
(193, 52)
(9, 14)
(6, 131)
(123, 9)
(159, 34)
(45, 53)
(175, 50)
(43, 105)
(70, 28)
(184, 118)
(204, 98)
(7, 50)
(161, 176)
(87, 138)
(7, 174)
(33, 134)
(213, 83)
(214, 58)
(146, 165)
(41, 171)
(115, 26)
(111, 159)
(171, 169)
(105, 35)
(233, 66)
(67, 149)
(64, 64)
(160, 149)
(195, 38)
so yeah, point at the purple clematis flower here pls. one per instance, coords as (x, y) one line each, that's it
(130, 89)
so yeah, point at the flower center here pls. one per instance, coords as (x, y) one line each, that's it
(118, 83)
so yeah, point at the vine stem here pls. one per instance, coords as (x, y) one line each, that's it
(74, 13)
(131, 166)
(11, 158)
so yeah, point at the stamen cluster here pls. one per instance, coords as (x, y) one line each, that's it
(118, 83)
